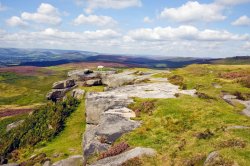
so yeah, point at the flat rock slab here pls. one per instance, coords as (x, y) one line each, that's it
(151, 90)
(123, 157)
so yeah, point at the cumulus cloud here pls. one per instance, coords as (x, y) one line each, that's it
(46, 13)
(16, 22)
(194, 11)
(114, 4)
(94, 20)
(183, 33)
(171, 41)
(147, 20)
(242, 21)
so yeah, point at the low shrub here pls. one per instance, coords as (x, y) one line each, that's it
(204, 135)
(42, 125)
(239, 95)
(245, 81)
(232, 143)
(133, 162)
(178, 80)
(203, 95)
(114, 150)
(144, 107)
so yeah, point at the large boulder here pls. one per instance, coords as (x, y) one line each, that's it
(98, 138)
(83, 75)
(112, 126)
(94, 82)
(78, 93)
(116, 80)
(97, 103)
(56, 94)
(71, 161)
(14, 125)
(64, 84)
(123, 157)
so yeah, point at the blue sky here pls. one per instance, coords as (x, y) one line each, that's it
(206, 28)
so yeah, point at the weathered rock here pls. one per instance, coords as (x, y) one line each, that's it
(71, 161)
(151, 90)
(123, 157)
(231, 99)
(112, 126)
(122, 111)
(97, 103)
(83, 75)
(91, 142)
(14, 125)
(211, 157)
(47, 163)
(246, 111)
(94, 82)
(56, 94)
(87, 71)
(78, 93)
(64, 84)
(117, 80)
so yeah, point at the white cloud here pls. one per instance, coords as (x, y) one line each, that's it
(231, 2)
(46, 14)
(147, 20)
(16, 22)
(168, 41)
(189, 33)
(194, 11)
(2, 7)
(242, 21)
(114, 4)
(94, 20)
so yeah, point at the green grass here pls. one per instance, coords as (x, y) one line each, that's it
(68, 142)
(26, 90)
(174, 124)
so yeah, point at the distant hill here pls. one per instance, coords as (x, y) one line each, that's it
(238, 60)
(52, 57)
(14, 56)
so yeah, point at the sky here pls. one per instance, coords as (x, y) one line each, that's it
(207, 28)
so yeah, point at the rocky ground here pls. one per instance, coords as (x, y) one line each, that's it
(109, 117)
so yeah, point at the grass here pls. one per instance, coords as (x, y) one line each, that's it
(68, 142)
(25, 90)
(173, 126)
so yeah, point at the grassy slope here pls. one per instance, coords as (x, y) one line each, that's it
(172, 128)
(26, 90)
(68, 142)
